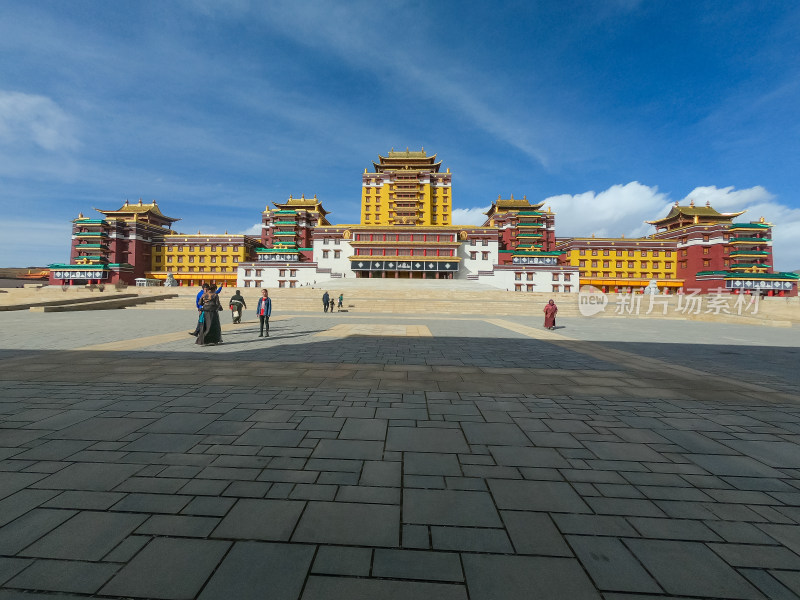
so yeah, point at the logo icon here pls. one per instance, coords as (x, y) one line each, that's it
(591, 301)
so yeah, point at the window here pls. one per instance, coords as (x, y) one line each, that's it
(224, 259)
(485, 242)
(631, 253)
(337, 253)
(568, 288)
(556, 288)
(325, 253)
(705, 238)
(706, 262)
(473, 255)
(180, 259)
(555, 277)
(684, 253)
(705, 250)
(655, 252)
(517, 287)
(292, 272)
(567, 276)
(644, 253)
(619, 264)
(517, 276)
(605, 264)
(656, 264)
(619, 252)
(529, 276)
(282, 273)
(594, 252)
(247, 272)
(644, 264)
(683, 264)
(631, 264)
(325, 241)
(581, 263)
(191, 259)
(281, 284)
(528, 288)
(582, 252)
(202, 259)
(246, 283)
(594, 263)
(605, 252)
(213, 259)
(484, 256)
(472, 242)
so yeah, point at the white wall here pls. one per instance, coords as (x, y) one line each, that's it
(541, 280)
(336, 265)
(471, 267)
(305, 275)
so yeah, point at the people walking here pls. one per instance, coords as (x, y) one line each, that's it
(341, 302)
(237, 305)
(264, 310)
(550, 310)
(325, 299)
(210, 330)
(203, 289)
(332, 304)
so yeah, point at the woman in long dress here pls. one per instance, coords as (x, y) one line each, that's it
(550, 310)
(210, 332)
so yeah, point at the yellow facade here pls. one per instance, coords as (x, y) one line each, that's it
(194, 259)
(623, 262)
(406, 189)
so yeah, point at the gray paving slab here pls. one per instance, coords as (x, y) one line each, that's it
(349, 523)
(251, 519)
(256, 570)
(89, 535)
(430, 439)
(551, 496)
(449, 507)
(520, 577)
(345, 588)
(417, 564)
(169, 568)
(611, 565)
(691, 569)
(343, 560)
(64, 576)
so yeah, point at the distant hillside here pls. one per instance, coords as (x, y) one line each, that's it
(13, 272)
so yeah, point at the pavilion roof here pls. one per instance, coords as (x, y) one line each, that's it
(703, 214)
(137, 211)
(408, 160)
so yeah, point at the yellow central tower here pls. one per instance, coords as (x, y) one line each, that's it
(406, 189)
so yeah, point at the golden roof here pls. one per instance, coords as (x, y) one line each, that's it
(694, 213)
(134, 211)
(503, 205)
(408, 160)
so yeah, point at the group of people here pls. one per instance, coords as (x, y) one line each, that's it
(209, 331)
(328, 302)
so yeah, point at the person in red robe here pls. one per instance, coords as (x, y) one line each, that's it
(550, 310)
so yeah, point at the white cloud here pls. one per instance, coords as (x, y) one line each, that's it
(469, 216)
(253, 230)
(619, 210)
(30, 119)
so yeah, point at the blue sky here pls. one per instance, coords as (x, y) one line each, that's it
(608, 111)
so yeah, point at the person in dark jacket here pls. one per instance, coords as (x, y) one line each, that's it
(203, 289)
(210, 330)
(325, 300)
(237, 303)
(264, 310)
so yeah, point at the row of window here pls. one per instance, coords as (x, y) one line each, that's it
(530, 288)
(556, 276)
(336, 253)
(200, 248)
(258, 283)
(629, 275)
(403, 237)
(281, 272)
(631, 264)
(198, 269)
(192, 259)
(404, 252)
(474, 255)
(667, 253)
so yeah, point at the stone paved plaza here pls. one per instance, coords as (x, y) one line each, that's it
(397, 457)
